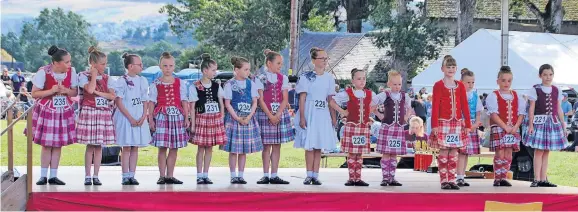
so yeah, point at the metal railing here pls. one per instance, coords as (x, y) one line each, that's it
(10, 134)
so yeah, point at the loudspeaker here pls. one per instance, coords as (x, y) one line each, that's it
(111, 156)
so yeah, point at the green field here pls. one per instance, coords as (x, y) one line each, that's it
(563, 169)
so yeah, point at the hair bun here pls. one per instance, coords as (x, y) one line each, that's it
(463, 71)
(205, 56)
(266, 51)
(505, 68)
(166, 54)
(313, 50)
(234, 60)
(92, 49)
(124, 55)
(53, 49)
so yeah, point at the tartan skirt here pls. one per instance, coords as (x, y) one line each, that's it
(447, 127)
(242, 139)
(473, 145)
(170, 131)
(351, 130)
(547, 136)
(95, 126)
(275, 134)
(497, 140)
(391, 140)
(209, 130)
(53, 128)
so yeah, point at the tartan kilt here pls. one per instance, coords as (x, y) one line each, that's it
(446, 127)
(275, 134)
(209, 130)
(547, 136)
(242, 139)
(353, 129)
(170, 131)
(473, 146)
(95, 126)
(53, 128)
(496, 142)
(388, 132)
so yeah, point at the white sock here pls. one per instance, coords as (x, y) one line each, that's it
(315, 174)
(240, 174)
(309, 174)
(199, 175)
(43, 172)
(53, 173)
(206, 174)
(266, 174)
(273, 175)
(233, 174)
(131, 174)
(94, 176)
(125, 175)
(461, 177)
(87, 177)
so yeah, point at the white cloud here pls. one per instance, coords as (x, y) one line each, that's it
(93, 10)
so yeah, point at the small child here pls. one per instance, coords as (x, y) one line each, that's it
(391, 140)
(507, 112)
(241, 126)
(417, 138)
(476, 108)
(357, 125)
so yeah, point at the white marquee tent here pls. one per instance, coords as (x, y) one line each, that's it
(480, 53)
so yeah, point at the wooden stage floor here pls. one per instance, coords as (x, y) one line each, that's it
(332, 179)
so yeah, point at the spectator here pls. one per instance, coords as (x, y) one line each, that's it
(422, 91)
(419, 108)
(566, 107)
(5, 78)
(23, 96)
(17, 81)
(292, 98)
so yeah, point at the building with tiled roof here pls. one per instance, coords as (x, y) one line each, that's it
(488, 15)
(345, 50)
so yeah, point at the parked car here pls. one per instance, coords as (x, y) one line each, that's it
(572, 94)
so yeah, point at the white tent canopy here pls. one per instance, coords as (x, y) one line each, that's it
(480, 53)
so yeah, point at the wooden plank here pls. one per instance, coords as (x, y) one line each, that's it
(10, 141)
(14, 197)
(29, 152)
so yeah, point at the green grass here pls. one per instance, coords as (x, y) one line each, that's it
(563, 168)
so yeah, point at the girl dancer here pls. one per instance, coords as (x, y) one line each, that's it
(356, 139)
(95, 127)
(242, 129)
(313, 125)
(450, 112)
(475, 107)
(507, 112)
(168, 109)
(546, 127)
(53, 119)
(207, 112)
(391, 140)
(273, 116)
(130, 118)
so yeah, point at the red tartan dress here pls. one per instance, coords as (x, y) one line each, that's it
(209, 121)
(508, 113)
(450, 112)
(357, 132)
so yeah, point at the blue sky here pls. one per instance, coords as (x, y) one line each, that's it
(94, 11)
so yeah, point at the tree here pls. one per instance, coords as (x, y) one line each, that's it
(11, 43)
(148, 33)
(319, 22)
(411, 39)
(194, 56)
(467, 10)
(116, 63)
(138, 33)
(148, 61)
(550, 20)
(357, 11)
(239, 27)
(55, 27)
(129, 34)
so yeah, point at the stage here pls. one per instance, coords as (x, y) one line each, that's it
(420, 191)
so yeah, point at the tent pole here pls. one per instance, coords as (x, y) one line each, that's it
(505, 32)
